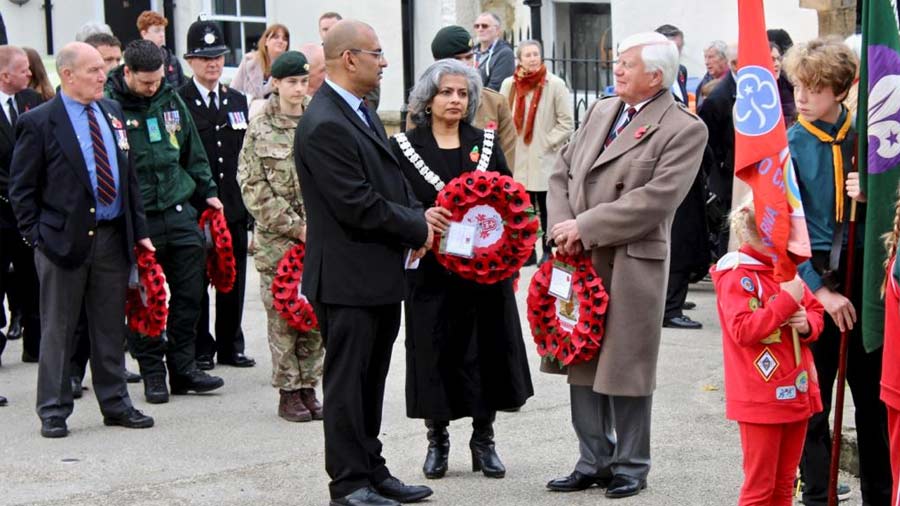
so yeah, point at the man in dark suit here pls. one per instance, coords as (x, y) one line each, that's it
(77, 202)
(689, 254)
(220, 115)
(363, 222)
(16, 99)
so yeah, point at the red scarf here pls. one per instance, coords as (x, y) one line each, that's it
(524, 83)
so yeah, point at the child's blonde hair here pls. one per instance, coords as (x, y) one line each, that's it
(820, 63)
(890, 241)
(742, 221)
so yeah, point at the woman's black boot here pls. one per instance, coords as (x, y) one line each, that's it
(435, 466)
(484, 456)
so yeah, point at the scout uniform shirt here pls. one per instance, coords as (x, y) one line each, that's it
(763, 383)
(166, 150)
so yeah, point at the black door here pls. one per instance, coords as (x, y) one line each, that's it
(121, 16)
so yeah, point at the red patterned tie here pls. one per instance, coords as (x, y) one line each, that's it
(106, 183)
(616, 131)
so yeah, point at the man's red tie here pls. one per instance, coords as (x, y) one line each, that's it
(616, 131)
(106, 183)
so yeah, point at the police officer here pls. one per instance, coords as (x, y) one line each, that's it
(220, 115)
(172, 169)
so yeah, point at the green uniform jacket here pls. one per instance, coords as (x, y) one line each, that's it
(169, 159)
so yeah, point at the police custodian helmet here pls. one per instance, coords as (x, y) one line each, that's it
(204, 40)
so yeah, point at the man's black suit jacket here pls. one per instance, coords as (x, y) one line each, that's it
(51, 192)
(361, 214)
(716, 112)
(26, 100)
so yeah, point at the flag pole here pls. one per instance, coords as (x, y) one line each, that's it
(842, 363)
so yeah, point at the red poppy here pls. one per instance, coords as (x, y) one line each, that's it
(145, 304)
(287, 299)
(220, 264)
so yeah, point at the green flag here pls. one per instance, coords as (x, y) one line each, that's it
(878, 123)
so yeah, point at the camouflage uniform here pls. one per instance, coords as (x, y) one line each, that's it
(271, 192)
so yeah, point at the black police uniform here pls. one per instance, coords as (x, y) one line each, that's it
(222, 130)
(221, 121)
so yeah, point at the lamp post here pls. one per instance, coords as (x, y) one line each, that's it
(535, 19)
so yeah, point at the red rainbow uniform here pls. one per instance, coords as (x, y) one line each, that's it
(766, 392)
(890, 372)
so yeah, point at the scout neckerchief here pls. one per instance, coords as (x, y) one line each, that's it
(433, 179)
(836, 155)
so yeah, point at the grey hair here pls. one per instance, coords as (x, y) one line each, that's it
(720, 46)
(491, 14)
(65, 58)
(658, 53)
(90, 28)
(525, 43)
(428, 85)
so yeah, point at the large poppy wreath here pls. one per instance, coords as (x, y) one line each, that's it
(506, 226)
(290, 303)
(146, 305)
(567, 332)
(220, 265)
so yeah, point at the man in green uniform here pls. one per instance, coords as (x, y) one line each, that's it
(172, 167)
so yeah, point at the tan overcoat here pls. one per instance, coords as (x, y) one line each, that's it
(623, 199)
(553, 124)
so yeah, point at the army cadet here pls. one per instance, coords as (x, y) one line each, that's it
(493, 110)
(220, 115)
(172, 167)
(271, 191)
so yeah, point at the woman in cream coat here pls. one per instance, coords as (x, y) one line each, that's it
(542, 127)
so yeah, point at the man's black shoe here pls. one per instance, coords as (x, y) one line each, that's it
(77, 388)
(131, 419)
(681, 322)
(2, 401)
(363, 497)
(688, 305)
(196, 381)
(392, 488)
(155, 389)
(205, 363)
(575, 482)
(625, 486)
(15, 327)
(54, 427)
(131, 377)
(238, 360)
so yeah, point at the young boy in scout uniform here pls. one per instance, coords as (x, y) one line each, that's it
(172, 168)
(220, 115)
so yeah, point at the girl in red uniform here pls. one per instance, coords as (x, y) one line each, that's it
(766, 391)
(890, 372)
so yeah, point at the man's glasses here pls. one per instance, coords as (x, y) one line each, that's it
(481, 25)
(377, 54)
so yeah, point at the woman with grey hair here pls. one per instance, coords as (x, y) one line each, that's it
(465, 356)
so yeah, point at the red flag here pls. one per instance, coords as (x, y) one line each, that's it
(761, 156)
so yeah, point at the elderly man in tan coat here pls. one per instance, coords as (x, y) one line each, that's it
(613, 193)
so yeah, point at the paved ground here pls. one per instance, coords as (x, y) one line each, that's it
(230, 448)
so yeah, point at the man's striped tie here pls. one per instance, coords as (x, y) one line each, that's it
(106, 183)
(616, 131)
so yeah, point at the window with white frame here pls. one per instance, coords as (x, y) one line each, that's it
(242, 22)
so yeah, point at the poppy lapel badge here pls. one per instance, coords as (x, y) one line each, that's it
(642, 130)
(474, 155)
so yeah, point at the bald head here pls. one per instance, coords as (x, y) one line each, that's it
(82, 72)
(315, 56)
(345, 34)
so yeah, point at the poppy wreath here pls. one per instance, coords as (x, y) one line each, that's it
(506, 226)
(292, 305)
(567, 332)
(220, 264)
(146, 307)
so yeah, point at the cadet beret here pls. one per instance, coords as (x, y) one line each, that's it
(290, 63)
(451, 41)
